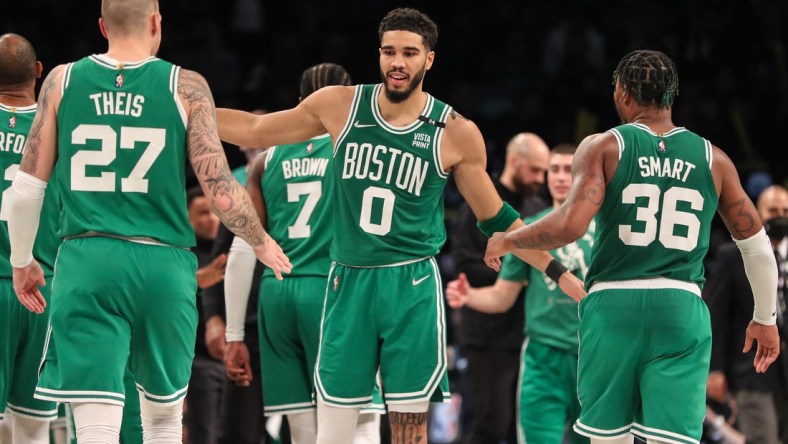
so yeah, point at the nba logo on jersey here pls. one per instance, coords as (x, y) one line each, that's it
(310, 148)
(662, 146)
(119, 81)
(12, 122)
(336, 282)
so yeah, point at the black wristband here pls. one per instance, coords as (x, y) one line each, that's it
(555, 269)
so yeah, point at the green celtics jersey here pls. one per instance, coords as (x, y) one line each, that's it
(122, 151)
(388, 206)
(297, 189)
(14, 125)
(656, 215)
(550, 315)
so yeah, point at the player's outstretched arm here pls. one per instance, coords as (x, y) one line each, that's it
(467, 157)
(228, 198)
(25, 198)
(741, 218)
(497, 298)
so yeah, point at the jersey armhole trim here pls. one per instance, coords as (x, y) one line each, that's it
(709, 153)
(175, 73)
(351, 115)
(436, 149)
(620, 140)
(268, 155)
(66, 79)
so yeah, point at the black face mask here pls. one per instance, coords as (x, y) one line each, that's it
(776, 227)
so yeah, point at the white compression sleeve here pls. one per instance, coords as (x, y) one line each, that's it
(29, 430)
(238, 276)
(97, 423)
(761, 268)
(22, 210)
(161, 423)
(303, 427)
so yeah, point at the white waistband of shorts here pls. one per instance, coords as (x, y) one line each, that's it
(136, 240)
(396, 264)
(646, 284)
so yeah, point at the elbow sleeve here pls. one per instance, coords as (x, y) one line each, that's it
(22, 210)
(238, 278)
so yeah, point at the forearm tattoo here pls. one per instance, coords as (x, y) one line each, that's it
(541, 240)
(408, 428)
(229, 199)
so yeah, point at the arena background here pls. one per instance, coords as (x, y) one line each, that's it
(508, 65)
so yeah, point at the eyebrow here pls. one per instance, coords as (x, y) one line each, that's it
(407, 48)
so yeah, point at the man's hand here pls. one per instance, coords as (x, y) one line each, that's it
(26, 282)
(236, 362)
(214, 336)
(496, 247)
(213, 273)
(457, 291)
(572, 286)
(717, 386)
(768, 344)
(272, 256)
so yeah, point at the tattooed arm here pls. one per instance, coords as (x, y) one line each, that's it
(40, 153)
(570, 221)
(736, 209)
(228, 198)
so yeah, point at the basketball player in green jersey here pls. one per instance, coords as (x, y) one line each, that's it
(547, 394)
(645, 334)
(117, 129)
(394, 148)
(291, 187)
(22, 333)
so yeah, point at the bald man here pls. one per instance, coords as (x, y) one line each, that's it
(116, 130)
(491, 342)
(22, 333)
(762, 398)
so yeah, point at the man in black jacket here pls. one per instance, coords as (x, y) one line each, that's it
(491, 342)
(761, 398)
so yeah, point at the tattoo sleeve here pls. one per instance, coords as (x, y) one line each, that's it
(742, 221)
(229, 199)
(30, 158)
(408, 428)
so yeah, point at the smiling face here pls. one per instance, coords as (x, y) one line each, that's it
(404, 59)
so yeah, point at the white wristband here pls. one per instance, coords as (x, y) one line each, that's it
(22, 209)
(238, 276)
(761, 269)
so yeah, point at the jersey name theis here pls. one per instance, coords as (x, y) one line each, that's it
(118, 102)
(385, 164)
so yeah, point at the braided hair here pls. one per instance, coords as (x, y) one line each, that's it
(650, 75)
(412, 20)
(324, 74)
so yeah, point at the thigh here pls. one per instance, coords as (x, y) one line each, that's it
(29, 345)
(675, 367)
(289, 325)
(410, 313)
(91, 314)
(612, 336)
(347, 360)
(165, 323)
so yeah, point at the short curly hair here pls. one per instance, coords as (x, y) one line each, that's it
(650, 75)
(409, 19)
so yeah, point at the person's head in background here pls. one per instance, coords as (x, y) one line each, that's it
(772, 207)
(527, 160)
(559, 174)
(204, 222)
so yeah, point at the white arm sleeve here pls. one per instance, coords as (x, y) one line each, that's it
(761, 268)
(24, 200)
(238, 278)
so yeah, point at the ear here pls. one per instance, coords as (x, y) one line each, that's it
(103, 28)
(430, 60)
(155, 23)
(39, 69)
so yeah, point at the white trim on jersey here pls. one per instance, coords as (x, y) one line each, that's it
(350, 117)
(19, 109)
(436, 147)
(108, 62)
(619, 139)
(391, 128)
(66, 79)
(163, 399)
(655, 283)
(676, 130)
(709, 153)
(175, 75)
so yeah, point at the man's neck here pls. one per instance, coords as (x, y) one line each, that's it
(17, 97)
(129, 49)
(658, 120)
(403, 113)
